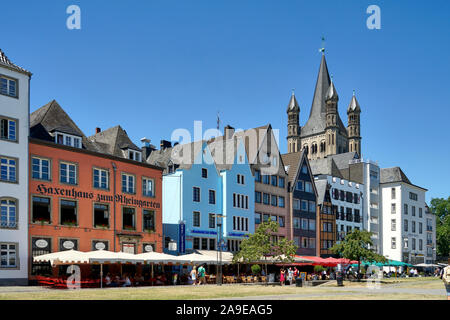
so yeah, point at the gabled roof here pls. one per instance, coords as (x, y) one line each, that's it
(326, 166)
(342, 160)
(53, 118)
(322, 188)
(317, 117)
(113, 141)
(292, 164)
(395, 174)
(4, 61)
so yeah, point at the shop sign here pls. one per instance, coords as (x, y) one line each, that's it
(148, 248)
(128, 248)
(41, 243)
(68, 244)
(181, 237)
(100, 246)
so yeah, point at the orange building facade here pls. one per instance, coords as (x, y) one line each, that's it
(84, 200)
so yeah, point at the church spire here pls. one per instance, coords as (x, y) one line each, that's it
(293, 104)
(331, 92)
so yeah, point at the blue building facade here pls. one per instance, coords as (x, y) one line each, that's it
(208, 201)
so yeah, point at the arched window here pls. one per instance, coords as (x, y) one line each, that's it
(8, 213)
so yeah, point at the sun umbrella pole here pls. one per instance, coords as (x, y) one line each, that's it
(152, 274)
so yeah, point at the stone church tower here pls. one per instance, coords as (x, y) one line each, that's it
(324, 133)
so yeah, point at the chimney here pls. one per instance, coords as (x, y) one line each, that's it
(229, 132)
(98, 130)
(146, 148)
(165, 144)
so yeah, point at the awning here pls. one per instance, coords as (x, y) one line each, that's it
(63, 257)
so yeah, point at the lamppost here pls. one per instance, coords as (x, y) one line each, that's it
(219, 251)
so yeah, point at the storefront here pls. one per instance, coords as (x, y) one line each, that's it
(86, 201)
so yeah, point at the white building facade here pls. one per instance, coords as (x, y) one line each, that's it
(405, 218)
(346, 199)
(430, 255)
(14, 131)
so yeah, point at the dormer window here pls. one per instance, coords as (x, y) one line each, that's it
(134, 155)
(68, 140)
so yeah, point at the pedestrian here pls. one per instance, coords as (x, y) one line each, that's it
(290, 275)
(282, 276)
(201, 275)
(194, 276)
(446, 279)
(175, 279)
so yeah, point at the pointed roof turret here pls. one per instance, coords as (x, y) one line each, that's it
(354, 105)
(331, 92)
(293, 104)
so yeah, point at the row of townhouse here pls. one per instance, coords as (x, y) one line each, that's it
(62, 190)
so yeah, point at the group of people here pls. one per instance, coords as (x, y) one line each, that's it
(288, 275)
(116, 281)
(198, 277)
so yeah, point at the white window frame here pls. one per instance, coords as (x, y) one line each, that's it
(68, 164)
(8, 127)
(100, 171)
(8, 166)
(145, 185)
(8, 253)
(128, 178)
(8, 86)
(7, 208)
(40, 172)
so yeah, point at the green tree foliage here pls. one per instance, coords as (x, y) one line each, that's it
(256, 269)
(259, 246)
(357, 245)
(441, 209)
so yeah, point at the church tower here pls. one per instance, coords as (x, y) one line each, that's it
(331, 127)
(354, 127)
(293, 136)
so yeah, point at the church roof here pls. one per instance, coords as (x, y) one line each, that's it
(332, 93)
(326, 166)
(354, 105)
(293, 104)
(4, 61)
(317, 117)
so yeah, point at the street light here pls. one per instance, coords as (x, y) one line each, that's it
(219, 252)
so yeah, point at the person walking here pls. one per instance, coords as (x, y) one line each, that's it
(446, 279)
(201, 275)
(194, 276)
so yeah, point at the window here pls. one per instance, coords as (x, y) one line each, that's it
(281, 222)
(393, 243)
(101, 179)
(68, 140)
(413, 211)
(196, 243)
(413, 226)
(41, 246)
(305, 224)
(413, 196)
(212, 220)
(304, 169)
(257, 176)
(128, 218)
(349, 197)
(128, 183)
(257, 197)
(67, 173)
(148, 220)
(296, 204)
(8, 255)
(148, 187)
(393, 208)
(373, 174)
(420, 212)
(8, 169)
(413, 244)
(212, 197)
(8, 129)
(68, 212)
(8, 213)
(196, 194)
(393, 193)
(296, 223)
(420, 244)
(420, 227)
(281, 202)
(274, 180)
(134, 155)
(274, 218)
(356, 199)
(8, 87)
(405, 208)
(41, 210)
(300, 186)
(204, 173)
(196, 219)
(266, 179)
(257, 218)
(281, 182)
(405, 223)
(312, 243)
(393, 225)
(101, 216)
(274, 201)
(312, 225)
(304, 242)
(40, 168)
(266, 217)
(304, 205)
(266, 197)
(312, 206)
(240, 179)
(308, 187)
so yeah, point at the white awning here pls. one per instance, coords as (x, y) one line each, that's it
(63, 257)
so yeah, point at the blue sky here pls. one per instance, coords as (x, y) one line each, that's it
(154, 66)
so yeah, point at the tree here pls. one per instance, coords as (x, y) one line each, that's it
(441, 209)
(357, 245)
(259, 246)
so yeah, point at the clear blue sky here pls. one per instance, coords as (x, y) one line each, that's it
(154, 66)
